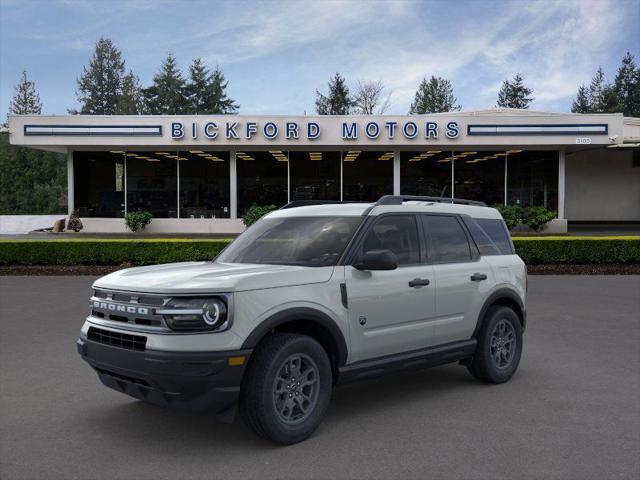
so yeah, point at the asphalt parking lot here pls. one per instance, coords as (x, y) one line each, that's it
(572, 410)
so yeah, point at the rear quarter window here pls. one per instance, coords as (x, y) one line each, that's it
(491, 236)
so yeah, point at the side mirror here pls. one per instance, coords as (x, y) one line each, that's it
(377, 260)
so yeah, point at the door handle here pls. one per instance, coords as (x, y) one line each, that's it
(477, 277)
(419, 282)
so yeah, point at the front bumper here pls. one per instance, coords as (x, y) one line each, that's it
(187, 381)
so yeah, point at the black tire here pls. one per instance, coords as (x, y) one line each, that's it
(265, 410)
(494, 360)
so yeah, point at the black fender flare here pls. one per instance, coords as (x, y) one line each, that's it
(300, 313)
(501, 293)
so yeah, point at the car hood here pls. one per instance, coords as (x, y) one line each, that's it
(209, 277)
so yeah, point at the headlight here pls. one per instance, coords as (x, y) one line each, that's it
(196, 314)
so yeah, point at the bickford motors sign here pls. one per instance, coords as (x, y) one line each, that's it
(294, 130)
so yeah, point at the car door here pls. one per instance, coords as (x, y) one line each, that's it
(461, 277)
(390, 311)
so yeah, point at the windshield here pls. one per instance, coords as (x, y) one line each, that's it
(305, 241)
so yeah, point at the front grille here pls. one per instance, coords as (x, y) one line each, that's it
(131, 308)
(117, 339)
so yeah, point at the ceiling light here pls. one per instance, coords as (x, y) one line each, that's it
(131, 154)
(141, 157)
(434, 151)
(514, 151)
(196, 151)
(116, 151)
(162, 153)
(444, 160)
(152, 160)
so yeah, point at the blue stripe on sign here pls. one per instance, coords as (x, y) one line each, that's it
(532, 129)
(93, 130)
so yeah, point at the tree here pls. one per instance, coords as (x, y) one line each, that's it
(434, 95)
(514, 94)
(218, 100)
(167, 95)
(25, 99)
(581, 104)
(627, 86)
(31, 181)
(337, 101)
(596, 91)
(100, 85)
(206, 92)
(370, 98)
(130, 101)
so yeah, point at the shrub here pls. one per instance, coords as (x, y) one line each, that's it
(255, 213)
(73, 251)
(578, 250)
(537, 217)
(137, 220)
(534, 217)
(74, 223)
(510, 213)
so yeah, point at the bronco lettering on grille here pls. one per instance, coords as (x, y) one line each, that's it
(114, 307)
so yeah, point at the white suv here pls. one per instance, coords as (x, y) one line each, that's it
(309, 297)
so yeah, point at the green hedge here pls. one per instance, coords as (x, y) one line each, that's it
(533, 250)
(107, 252)
(578, 250)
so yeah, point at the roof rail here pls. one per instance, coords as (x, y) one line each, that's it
(306, 203)
(399, 199)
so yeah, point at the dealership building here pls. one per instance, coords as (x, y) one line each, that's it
(201, 173)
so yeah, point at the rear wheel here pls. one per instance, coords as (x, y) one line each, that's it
(287, 388)
(499, 346)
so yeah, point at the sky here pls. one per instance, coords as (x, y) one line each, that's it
(276, 54)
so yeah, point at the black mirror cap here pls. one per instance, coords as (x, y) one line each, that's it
(377, 260)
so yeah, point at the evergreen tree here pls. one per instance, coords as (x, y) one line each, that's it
(25, 99)
(596, 91)
(206, 91)
(338, 101)
(218, 100)
(581, 104)
(433, 96)
(130, 101)
(100, 85)
(31, 181)
(627, 86)
(167, 95)
(514, 94)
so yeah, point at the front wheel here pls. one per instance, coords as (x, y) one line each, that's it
(287, 388)
(499, 346)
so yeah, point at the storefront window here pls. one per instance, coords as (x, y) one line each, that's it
(479, 175)
(262, 179)
(152, 183)
(532, 179)
(204, 184)
(99, 184)
(426, 172)
(315, 175)
(366, 176)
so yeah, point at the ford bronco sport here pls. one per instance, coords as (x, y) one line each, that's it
(309, 297)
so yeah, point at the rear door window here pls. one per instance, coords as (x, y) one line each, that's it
(448, 241)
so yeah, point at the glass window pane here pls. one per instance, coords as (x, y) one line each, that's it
(99, 184)
(306, 241)
(532, 179)
(204, 184)
(397, 233)
(479, 176)
(448, 241)
(152, 183)
(367, 176)
(262, 179)
(426, 172)
(315, 175)
(498, 233)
